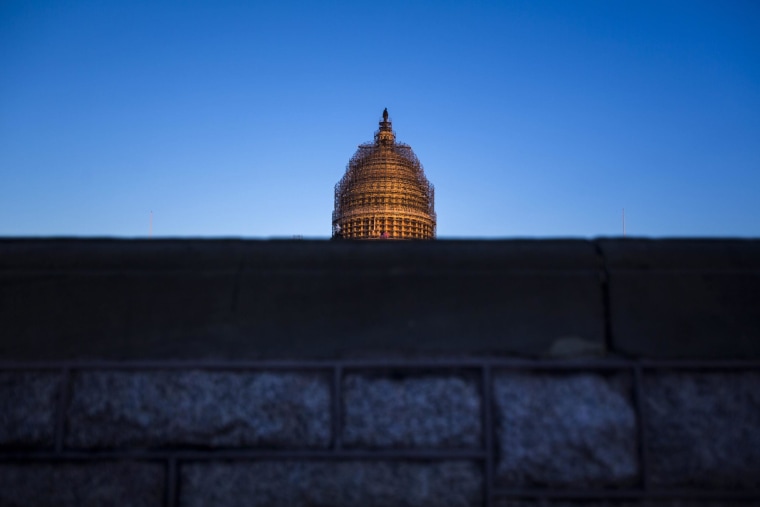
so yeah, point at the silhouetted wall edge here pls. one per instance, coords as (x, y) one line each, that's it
(63, 299)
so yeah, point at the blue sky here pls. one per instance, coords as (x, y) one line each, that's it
(531, 118)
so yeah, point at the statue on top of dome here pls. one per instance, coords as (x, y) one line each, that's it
(385, 114)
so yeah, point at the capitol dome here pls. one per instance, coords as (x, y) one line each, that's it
(384, 193)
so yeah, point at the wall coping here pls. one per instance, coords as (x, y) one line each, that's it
(64, 299)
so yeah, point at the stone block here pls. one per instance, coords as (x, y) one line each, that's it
(684, 298)
(69, 484)
(573, 430)
(624, 503)
(703, 429)
(433, 412)
(200, 408)
(337, 484)
(192, 299)
(115, 315)
(28, 408)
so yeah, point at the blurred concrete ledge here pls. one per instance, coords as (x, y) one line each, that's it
(106, 299)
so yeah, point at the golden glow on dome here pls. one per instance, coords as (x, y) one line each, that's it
(384, 193)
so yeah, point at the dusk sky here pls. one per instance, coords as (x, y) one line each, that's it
(531, 118)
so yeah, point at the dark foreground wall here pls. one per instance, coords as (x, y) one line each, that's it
(182, 373)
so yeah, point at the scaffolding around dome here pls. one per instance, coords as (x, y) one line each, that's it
(384, 193)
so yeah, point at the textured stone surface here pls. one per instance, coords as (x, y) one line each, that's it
(204, 408)
(334, 484)
(28, 408)
(625, 503)
(703, 429)
(565, 430)
(82, 485)
(412, 412)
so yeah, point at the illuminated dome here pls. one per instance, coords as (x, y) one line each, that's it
(384, 193)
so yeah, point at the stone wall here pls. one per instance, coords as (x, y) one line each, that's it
(507, 373)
